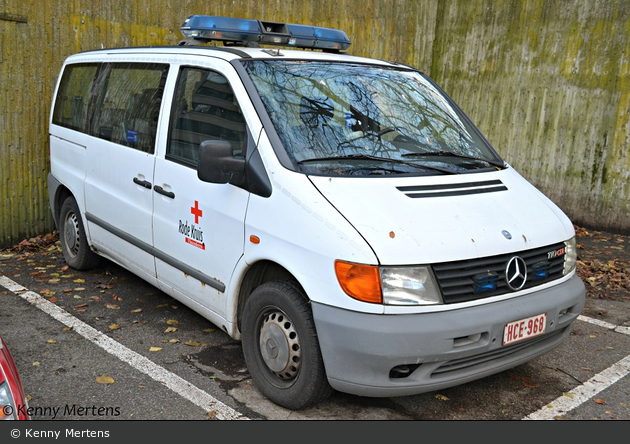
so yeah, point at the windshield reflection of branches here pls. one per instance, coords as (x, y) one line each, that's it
(424, 112)
(334, 109)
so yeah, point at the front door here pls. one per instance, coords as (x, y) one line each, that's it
(198, 226)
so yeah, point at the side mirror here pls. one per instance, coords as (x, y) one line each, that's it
(217, 164)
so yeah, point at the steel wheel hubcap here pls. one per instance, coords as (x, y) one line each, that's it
(279, 345)
(71, 234)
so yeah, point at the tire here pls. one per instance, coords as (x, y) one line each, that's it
(281, 348)
(74, 244)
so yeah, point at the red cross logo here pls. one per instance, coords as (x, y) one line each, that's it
(196, 211)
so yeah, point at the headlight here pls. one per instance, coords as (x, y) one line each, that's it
(409, 286)
(570, 256)
(7, 405)
(388, 285)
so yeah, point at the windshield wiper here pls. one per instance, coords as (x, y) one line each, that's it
(379, 159)
(451, 154)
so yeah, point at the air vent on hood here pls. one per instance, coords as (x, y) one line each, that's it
(453, 189)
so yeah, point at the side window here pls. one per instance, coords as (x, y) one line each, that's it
(128, 106)
(73, 97)
(205, 108)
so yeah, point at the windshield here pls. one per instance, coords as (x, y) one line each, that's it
(356, 119)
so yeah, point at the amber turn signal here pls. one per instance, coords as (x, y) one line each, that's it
(362, 282)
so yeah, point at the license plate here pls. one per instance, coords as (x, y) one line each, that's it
(524, 328)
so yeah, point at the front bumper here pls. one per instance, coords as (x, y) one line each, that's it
(441, 349)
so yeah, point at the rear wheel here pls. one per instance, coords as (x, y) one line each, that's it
(74, 244)
(281, 347)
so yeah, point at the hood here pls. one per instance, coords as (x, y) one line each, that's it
(421, 220)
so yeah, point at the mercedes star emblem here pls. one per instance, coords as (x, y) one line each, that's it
(516, 273)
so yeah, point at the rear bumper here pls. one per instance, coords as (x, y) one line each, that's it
(442, 349)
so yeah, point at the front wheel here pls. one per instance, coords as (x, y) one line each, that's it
(74, 244)
(281, 347)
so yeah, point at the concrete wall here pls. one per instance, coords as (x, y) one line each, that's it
(546, 81)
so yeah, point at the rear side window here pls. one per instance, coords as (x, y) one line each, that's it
(128, 104)
(119, 102)
(75, 92)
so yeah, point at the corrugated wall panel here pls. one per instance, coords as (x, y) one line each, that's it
(545, 80)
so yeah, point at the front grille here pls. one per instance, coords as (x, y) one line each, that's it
(473, 279)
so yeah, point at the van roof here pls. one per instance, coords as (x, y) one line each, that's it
(230, 52)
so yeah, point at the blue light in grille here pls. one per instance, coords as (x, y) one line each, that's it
(485, 282)
(540, 270)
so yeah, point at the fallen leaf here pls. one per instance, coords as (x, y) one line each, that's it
(79, 281)
(172, 322)
(155, 349)
(170, 330)
(114, 327)
(104, 286)
(137, 310)
(441, 397)
(192, 343)
(36, 364)
(113, 306)
(599, 401)
(104, 379)
(51, 341)
(568, 395)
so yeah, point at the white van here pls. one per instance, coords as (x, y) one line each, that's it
(341, 216)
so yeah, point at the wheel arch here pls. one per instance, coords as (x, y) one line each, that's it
(61, 194)
(257, 274)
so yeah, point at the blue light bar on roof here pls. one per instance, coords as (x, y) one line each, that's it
(245, 31)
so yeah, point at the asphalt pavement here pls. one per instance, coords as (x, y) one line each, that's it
(105, 345)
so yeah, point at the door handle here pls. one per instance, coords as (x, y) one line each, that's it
(163, 192)
(142, 183)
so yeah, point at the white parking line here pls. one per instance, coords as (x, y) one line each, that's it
(139, 362)
(590, 388)
(584, 392)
